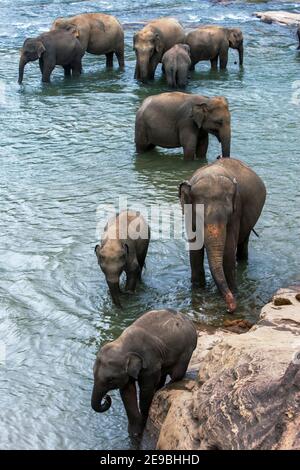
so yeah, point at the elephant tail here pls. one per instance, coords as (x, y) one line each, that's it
(171, 77)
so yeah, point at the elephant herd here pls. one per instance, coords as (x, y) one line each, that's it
(161, 342)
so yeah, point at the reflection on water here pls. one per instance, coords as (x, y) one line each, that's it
(68, 147)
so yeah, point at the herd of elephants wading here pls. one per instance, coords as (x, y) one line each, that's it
(160, 343)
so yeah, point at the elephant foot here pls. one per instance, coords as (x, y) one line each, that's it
(135, 430)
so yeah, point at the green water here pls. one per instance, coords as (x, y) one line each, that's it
(67, 148)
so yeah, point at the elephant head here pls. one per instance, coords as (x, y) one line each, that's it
(148, 49)
(213, 116)
(113, 369)
(112, 257)
(32, 49)
(220, 196)
(235, 38)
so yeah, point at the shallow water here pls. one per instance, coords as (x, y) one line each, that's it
(67, 148)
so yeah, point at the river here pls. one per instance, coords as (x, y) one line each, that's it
(66, 149)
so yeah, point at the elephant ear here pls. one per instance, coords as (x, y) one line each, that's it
(40, 49)
(158, 44)
(185, 194)
(134, 365)
(199, 113)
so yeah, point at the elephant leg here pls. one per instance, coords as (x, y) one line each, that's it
(120, 57)
(214, 63)
(179, 370)
(148, 385)
(223, 58)
(129, 399)
(197, 267)
(48, 68)
(229, 259)
(202, 146)
(141, 259)
(188, 140)
(163, 69)
(162, 381)
(76, 68)
(192, 66)
(67, 69)
(137, 74)
(109, 60)
(41, 64)
(242, 249)
(132, 279)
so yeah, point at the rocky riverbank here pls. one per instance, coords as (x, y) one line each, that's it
(242, 391)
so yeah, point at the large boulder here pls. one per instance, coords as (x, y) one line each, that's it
(242, 390)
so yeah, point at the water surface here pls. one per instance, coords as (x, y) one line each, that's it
(67, 148)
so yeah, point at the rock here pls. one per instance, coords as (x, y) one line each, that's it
(242, 390)
(280, 17)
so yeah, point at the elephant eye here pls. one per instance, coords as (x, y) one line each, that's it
(218, 122)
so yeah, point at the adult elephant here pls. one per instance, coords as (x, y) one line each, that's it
(98, 34)
(233, 197)
(151, 42)
(212, 43)
(177, 119)
(51, 49)
(158, 344)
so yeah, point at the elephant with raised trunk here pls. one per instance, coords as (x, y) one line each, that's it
(98, 34)
(212, 43)
(51, 49)
(123, 247)
(177, 119)
(176, 63)
(158, 344)
(151, 42)
(233, 197)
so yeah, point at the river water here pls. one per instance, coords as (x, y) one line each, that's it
(66, 149)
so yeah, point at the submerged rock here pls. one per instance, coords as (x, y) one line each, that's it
(242, 390)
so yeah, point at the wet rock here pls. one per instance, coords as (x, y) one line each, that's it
(246, 393)
(280, 17)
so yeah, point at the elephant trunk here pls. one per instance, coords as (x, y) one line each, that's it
(225, 139)
(114, 290)
(22, 64)
(215, 236)
(241, 54)
(97, 398)
(143, 65)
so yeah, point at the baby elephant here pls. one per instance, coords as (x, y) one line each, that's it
(52, 48)
(176, 64)
(157, 344)
(123, 247)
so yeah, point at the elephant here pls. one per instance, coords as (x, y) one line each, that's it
(52, 48)
(158, 344)
(177, 119)
(233, 196)
(98, 34)
(212, 43)
(151, 42)
(176, 64)
(123, 247)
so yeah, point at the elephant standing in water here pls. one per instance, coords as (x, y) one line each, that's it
(233, 197)
(98, 34)
(212, 43)
(123, 247)
(177, 119)
(52, 48)
(176, 64)
(152, 42)
(157, 344)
